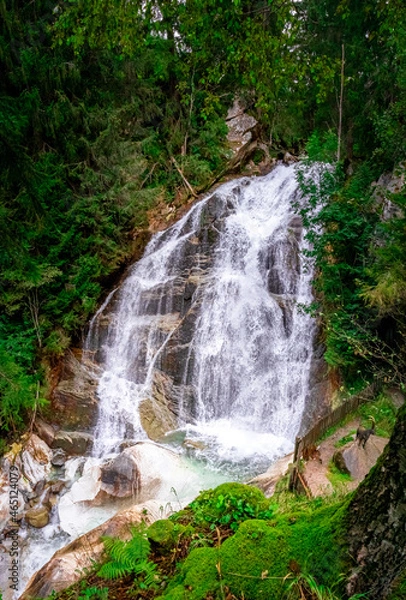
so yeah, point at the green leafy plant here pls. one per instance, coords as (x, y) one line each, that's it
(94, 593)
(229, 505)
(305, 587)
(130, 557)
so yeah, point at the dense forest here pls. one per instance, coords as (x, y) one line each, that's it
(100, 100)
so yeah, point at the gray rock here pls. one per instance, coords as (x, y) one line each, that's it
(357, 461)
(120, 476)
(45, 431)
(240, 125)
(58, 458)
(73, 442)
(157, 413)
(74, 399)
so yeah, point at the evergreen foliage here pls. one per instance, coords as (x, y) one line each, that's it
(97, 98)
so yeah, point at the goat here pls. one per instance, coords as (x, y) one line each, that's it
(364, 434)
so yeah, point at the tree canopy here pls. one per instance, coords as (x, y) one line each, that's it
(97, 96)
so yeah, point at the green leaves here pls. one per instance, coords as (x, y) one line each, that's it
(130, 558)
(229, 505)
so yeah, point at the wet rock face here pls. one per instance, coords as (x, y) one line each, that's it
(147, 337)
(74, 401)
(376, 521)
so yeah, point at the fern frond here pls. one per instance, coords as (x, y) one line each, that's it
(126, 557)
(112, 570)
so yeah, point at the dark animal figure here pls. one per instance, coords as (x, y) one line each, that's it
(363, 434)
(311, 453)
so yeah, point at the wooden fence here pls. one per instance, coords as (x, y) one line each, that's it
(334, 417)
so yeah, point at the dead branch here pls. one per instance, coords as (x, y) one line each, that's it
(179, 170)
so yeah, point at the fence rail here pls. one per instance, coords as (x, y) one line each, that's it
(334, 417)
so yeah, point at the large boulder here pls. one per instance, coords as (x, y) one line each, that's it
(358, 461)
(146, 471)
(267, 481)
(120, 477)
(140, 473)
(74, 443)
(68, 564)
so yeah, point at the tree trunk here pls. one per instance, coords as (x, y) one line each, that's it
(376, 521)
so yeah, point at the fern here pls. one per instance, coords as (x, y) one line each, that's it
(129, 557)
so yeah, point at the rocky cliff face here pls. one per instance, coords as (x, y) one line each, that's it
(377, 521)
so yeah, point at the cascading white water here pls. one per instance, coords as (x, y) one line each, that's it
(245, 371)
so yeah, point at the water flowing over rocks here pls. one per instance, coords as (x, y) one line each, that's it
(206, 332)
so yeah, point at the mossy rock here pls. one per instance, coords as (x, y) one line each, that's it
(315, 542)
(255, 560)
(165, 535)
(177, 593)
(199, 576)
(162, 533)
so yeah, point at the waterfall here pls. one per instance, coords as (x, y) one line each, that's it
(211, 319)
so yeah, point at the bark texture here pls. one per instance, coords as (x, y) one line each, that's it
(377, 521)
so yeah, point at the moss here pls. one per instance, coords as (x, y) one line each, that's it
(399, 591)
(162, 532)
(255, 560)
(164, 536)
(337, 478)
(315, 543)
(199, 573)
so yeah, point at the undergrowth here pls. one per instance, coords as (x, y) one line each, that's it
(231, 543)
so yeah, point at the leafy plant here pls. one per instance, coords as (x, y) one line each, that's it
(93, 593)
(305, 587)
(229, 505)
(130, 558)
